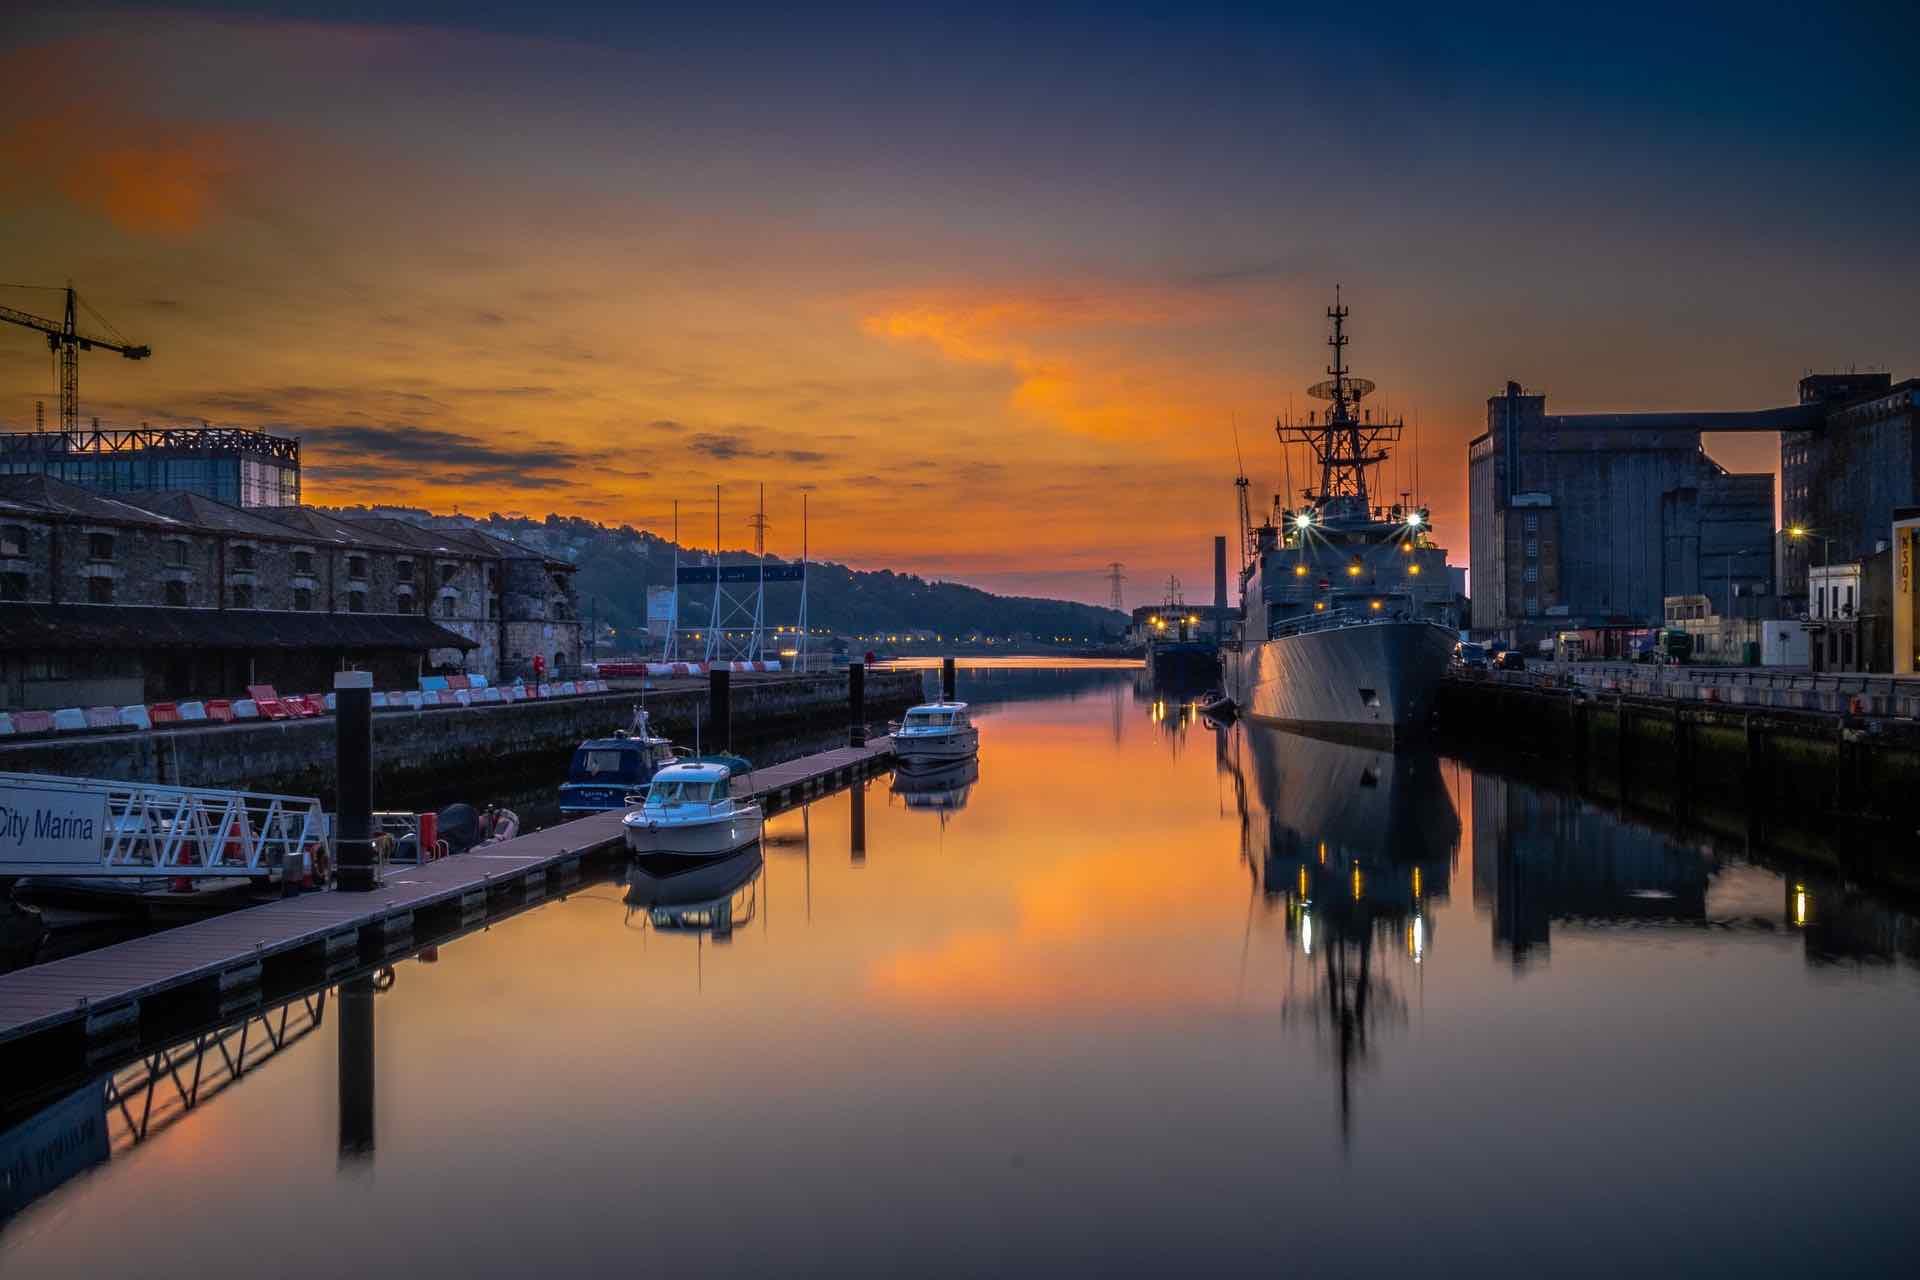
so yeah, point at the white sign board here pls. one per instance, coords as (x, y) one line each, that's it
(659, 610)
(51, 824)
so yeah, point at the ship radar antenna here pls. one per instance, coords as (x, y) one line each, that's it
(1345, 439)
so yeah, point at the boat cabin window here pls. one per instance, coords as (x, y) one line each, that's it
(685, 792)
(606, 762)
(929, 719)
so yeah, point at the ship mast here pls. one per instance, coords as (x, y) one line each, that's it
(1345, 439)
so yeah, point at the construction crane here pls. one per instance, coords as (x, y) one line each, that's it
(66, 341)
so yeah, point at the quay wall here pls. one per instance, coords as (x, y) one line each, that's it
(1717, 765)
(481, 745)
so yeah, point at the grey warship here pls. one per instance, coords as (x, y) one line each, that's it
(1347, 613)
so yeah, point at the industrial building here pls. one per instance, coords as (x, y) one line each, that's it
(1843, 477)
(238, 467)
(148, 597)
(1593, 520)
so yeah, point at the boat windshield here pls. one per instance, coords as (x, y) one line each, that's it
(685, 792)
(929, 719)
(592, 764)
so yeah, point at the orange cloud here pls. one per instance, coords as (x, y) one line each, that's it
(1061, 349)
(163, 185)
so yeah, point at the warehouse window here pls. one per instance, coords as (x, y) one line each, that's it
(447, 571)
(1533, 524)
(100, 590)
(303, 561)
(243, 556)
(13, 586)
(1533, 604)
(13, 540)
(357, 567)
(1533, 573)
(242, 595)
(100, 546)
(403, 602)
(356, 602)
(303, 599)
(177, 554)
(177, 594)
(404, 568)
(1533, 550)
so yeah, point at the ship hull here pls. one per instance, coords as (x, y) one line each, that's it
(1372, 682)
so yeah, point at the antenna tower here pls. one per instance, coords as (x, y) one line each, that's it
(1345, 440)
(1114, 578)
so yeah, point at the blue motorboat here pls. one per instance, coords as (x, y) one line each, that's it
(605, 771)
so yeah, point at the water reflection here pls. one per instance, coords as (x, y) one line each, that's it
(1102, 1019)
(710, 898)
(942, 790)
(1354, 846)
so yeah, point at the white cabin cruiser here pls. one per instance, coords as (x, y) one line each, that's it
(935, 733)
(690, 812)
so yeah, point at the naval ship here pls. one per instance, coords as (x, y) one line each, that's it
(1347, 613)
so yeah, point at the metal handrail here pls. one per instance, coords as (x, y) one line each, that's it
(153, 830)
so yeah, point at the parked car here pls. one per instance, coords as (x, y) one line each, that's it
(1470, 657)
(1511, 660)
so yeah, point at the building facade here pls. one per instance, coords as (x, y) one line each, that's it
(157, 596)
(239, 467)
(1592, 520)
(1842, 480)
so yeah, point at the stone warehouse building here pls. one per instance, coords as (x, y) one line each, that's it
(153, 596)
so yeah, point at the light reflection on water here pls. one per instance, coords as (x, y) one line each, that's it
(1133, 994)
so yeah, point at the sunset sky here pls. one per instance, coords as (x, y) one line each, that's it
(993, 286)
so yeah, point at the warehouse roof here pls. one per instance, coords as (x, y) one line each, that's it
(123, 627)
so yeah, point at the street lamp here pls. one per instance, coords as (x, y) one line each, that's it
(1800, 533)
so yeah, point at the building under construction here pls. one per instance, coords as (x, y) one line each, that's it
(238, 467)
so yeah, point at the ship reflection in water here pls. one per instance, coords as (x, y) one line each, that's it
(1355, 846)
(1145, 984)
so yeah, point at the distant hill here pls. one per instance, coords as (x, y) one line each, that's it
(616, 565)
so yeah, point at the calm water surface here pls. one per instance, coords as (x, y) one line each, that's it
(1137, 996)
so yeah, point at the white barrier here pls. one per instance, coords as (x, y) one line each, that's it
(136, 717)
(69, 720)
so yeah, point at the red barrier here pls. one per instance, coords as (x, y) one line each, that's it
(268, 701)
(33, 722)
(220, 709)
(164, 713)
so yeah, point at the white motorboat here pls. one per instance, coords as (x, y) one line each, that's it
(935, 733)
(689, 811)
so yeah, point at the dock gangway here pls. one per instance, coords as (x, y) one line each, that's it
(90, 827)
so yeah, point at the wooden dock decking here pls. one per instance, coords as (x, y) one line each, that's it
(100, 993)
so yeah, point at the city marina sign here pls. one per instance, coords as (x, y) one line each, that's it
(50, 824)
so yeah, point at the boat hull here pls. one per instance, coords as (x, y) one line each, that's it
(713, 838)
(1371, 682)
(931, 749)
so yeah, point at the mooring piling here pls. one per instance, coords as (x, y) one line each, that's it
(353, 788)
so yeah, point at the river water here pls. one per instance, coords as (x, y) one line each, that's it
(1136, 995)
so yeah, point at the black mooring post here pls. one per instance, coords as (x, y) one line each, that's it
(720, 706)
(353, 786)
(354, 1009)
(857, 703)
(949, 681)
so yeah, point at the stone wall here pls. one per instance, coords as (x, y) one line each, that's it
(482, 744)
